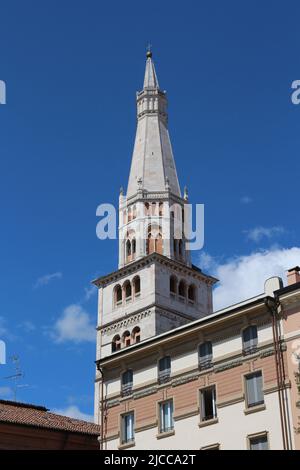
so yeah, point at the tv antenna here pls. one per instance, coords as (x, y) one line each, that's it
(17, 376)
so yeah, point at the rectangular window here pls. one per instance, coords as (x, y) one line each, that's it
(164, 369)
(258, 442)
(166, 416)
(208, 409)
(127, 428)
(254, 389)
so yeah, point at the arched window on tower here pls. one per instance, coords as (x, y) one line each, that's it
(127, 290)
(173, 285)
(117, 295)
(192, 293)
(133, 249)
(136, 335)
(124, 217)
(182, 289)
(129, 214)
(126, 340)
(161, 209)
(154, 240)
(128, 250)
(136, 286)
(116, 343)
(147, 211)
(134, 212)
(153, 208)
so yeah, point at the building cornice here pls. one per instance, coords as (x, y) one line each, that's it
(183, 331)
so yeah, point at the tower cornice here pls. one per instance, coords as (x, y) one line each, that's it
(131, 268)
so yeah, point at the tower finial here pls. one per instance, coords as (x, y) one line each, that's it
(149, 51)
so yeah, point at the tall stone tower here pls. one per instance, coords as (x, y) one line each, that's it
(156, 288)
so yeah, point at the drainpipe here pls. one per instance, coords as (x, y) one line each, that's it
(272, 306)
(101, 407)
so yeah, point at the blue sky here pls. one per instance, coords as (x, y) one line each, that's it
(66, 137)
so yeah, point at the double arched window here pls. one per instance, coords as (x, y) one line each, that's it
(183, 290)
(130, 247)
(126, 340)
(129, 214)
(154, 241)
(129, 290)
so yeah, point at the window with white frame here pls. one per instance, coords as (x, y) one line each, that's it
(259, 442)
(164, 369)
(166, 416)
(250, 339)
(254, 389)
(127, 428)
(208, 409)
(205, 355)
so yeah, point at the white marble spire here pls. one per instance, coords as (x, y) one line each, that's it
(152, 166)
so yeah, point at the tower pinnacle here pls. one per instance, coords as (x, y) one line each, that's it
(152, 158)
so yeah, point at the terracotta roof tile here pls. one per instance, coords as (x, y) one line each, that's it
(39, 416)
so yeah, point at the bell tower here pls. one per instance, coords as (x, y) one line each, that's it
(155, 288)
(147, 213)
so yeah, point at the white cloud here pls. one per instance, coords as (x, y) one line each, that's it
(6, 393)
(243, 277)
(73, 412)
(27, 326)
(246, 200)
(74, 325)
(44, 280)
(258, 233)
(89, 292)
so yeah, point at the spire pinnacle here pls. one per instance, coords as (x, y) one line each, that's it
(149, 51)
(150, 80)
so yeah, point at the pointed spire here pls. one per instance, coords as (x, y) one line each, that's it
(152, 166)
(150, 80)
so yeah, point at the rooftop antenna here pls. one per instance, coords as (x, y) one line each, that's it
(17, 376)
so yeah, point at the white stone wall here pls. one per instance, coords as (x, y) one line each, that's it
(230, 431)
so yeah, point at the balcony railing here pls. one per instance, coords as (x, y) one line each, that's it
(205, 364)
(164, 376)
(249, 350)
(126, 390)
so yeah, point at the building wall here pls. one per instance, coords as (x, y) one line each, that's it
(230, 402)
(230, 432)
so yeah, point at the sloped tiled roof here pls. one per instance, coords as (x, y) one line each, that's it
(39, 416)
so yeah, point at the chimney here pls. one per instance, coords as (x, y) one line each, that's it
(293, 275)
